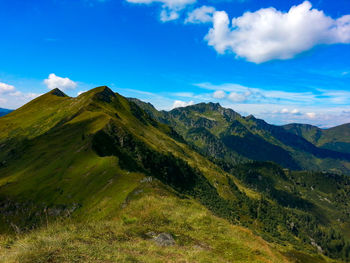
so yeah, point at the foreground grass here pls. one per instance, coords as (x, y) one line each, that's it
(199, 236)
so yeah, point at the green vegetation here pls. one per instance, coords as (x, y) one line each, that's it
(89, 179)
(199, 236)
(225, 135)
(336, 138)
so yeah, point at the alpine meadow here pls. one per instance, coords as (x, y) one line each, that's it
(175, 131)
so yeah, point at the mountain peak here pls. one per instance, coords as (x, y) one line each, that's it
(57, 92)
(103, 93)
(212, 105)
(202, 107)
(250, 117)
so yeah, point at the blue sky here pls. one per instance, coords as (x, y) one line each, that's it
(283, 61)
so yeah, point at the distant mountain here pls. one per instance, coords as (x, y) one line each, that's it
(102, 178)
(3, 112)
(226, 135)
(336, 138)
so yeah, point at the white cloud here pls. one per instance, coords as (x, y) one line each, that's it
(180, 103)
(54, 81)
(295, 111)
(13, 98)
(269, 34)
(242, 93)
(202, 14)
(311, 115)
(219, 94)
(184, 94)
(324, 108)
(6, 88)
(170, 8)
(290, 112)
(168, 15)
(238, 97)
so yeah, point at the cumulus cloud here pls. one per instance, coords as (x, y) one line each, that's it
(168, 15)
(202, 14)
(287, 111)
(219, 94)
(269, 34)
(239, 97)
(311, 115)
(295, 111)
(12, 98)
(54, 81)
(6, 88)
(170, 8)
(180, 103)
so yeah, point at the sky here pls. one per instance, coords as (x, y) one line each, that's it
(282, 61)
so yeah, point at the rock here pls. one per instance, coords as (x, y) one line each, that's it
(164, 239)
(319, 248)
(151, 234)
(146, 180)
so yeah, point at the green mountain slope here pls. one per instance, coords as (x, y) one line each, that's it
(336, 138)
(225, 135)
(94, 178)
(92, 159)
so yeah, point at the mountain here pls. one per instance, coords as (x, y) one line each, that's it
(3, 112)
(336, 138)
(97, 178)
(225, 135)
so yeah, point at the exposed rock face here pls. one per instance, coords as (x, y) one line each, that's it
(57, 92)
(106, 94)
(164, 239)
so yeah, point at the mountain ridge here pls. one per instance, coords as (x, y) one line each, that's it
(280, 144)
(100, 170)
(335, 138)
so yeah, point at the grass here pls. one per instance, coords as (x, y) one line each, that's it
(56, 167)
(200, 237)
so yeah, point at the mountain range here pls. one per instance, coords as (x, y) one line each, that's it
(4, 111)
(103, 178)
(225, 135)
(336, 138)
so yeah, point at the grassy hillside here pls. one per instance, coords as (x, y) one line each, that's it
(127, 237)
(103, 174)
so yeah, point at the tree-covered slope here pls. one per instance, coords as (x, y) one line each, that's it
(106, 177)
